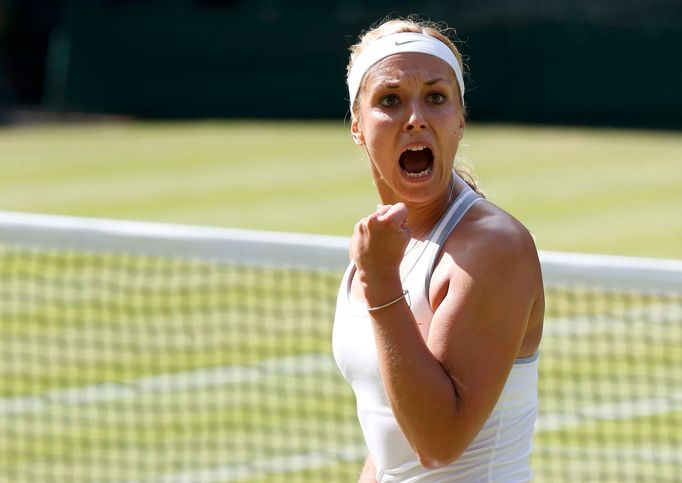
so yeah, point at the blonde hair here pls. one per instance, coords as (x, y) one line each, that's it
(414, 24)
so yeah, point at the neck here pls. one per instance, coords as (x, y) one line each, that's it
(422, 217)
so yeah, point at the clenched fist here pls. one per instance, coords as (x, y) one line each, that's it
(379, 242)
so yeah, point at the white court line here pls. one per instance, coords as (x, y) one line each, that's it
(235, 374)
(619, 411)
(320, 459)
(583, 324)
(549, 422)
(279, 464)
(167, 383)
(293, 365)
(658, 454)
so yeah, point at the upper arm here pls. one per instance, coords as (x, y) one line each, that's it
(479, 324)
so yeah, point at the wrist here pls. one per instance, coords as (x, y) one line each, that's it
(380, 289)
(403, 295)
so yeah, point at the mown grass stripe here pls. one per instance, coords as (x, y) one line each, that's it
(293, 365)
(167, 383)
(546, 423)
(585, 324)
(660, 454)
(616, 411)
(276, 465)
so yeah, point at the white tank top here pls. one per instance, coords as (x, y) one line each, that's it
(501, 450)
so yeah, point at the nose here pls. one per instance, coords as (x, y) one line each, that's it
(415, 118)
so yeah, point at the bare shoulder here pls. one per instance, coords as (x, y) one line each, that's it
(489, 246)
(491, 237)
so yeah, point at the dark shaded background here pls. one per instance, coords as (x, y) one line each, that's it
(589, 62)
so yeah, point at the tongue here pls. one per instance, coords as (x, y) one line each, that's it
(415, 161)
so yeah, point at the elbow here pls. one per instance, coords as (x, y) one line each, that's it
(435, 458)
(440, 448)
(431, 463)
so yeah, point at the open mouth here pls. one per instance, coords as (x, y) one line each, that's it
(416, 161)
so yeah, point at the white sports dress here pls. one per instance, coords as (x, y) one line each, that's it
(501, 450)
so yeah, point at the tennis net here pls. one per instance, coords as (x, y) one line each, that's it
(141, 352)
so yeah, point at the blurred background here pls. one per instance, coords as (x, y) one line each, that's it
(231, 113)
(557, 61)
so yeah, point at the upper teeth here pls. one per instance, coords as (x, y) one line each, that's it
(416, 148)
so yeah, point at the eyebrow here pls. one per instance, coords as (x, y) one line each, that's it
(436, 81)
(396, 84)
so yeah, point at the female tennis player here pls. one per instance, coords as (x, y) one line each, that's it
(439, 315)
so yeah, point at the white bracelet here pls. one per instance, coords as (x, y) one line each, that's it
(402, 296)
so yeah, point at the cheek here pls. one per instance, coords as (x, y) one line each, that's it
(450, 129)
(381, 119)
(378, 128)
(449, 142)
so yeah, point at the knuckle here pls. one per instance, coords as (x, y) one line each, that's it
(373, 220)
(361, 226)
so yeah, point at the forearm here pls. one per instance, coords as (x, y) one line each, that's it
(421, 393)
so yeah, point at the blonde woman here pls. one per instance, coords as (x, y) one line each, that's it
(440, 311)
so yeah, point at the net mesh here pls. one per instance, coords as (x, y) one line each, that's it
(137, 368)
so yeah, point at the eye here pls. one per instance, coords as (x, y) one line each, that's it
(389, 100)
(436, 98)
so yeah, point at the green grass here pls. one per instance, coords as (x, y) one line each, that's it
(584, 190)
(109, 375)
(88, 324)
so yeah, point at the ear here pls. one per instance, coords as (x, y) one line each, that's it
(356, 132)
(461, 125)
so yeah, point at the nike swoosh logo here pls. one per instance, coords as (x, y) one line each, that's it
(404, 42)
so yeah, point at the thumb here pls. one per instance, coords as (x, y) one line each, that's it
(382, 209)
(396, 215)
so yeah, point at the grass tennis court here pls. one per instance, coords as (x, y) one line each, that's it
(584, 190)
(145, 370)
(200, 374)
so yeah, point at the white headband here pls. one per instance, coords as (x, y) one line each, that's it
(396, 44)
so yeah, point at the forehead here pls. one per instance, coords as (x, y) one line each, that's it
(408, 65)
